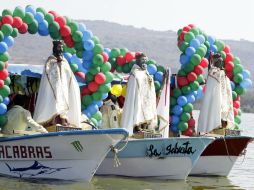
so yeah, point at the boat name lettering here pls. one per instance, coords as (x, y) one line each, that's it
(20, 152)
(185, 148)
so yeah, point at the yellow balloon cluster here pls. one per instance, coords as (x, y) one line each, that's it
(116, 90)
(124, 90)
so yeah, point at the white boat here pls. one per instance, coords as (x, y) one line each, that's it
(163, 158)
(69, 155)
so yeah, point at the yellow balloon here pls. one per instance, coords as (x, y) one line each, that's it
(124, 90)
(116, 90)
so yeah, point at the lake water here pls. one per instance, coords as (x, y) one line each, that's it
(241, 177)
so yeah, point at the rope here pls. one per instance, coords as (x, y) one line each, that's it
(226, 146)
(115, 150)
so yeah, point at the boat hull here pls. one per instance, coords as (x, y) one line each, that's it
(73, 155)
(220, 156)
(163, 158)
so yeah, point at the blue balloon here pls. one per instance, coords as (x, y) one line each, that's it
(43, 32)
(190, 51)
(87, 35)
(246, 74)
(184, 59)
(43, 26)
(88, 45)
(9, 41)
(158, 76)
(200, 93)
(177, 110)
(6, 100)
(3, 108)
(246, 83)
(195, 93)
(87, 64)
(67, 56)
(3, 47)
(87, 55)
(195, 43)
(87, 113)
(175, 120)
(210, 39)
(152, 69)
(81, 27)
(30, 9)
(174, 128)
(182, 100)
(232, 85)
(98, 103)
(39, 17)
(104, 96)
(92, 108)
(75, 60)
(107, 50)
(191, 98)
(200, 38)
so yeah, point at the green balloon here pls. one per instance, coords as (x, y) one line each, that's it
(115, 52)
(86, 100)
(238, 77)
(195, 59)
(7, 29)
(29, 18)
(94, 121)
(207, 44)
(1, 65)
(188, 68)
(89, 77)
(104, 88)
(182, 126)
(236, 127)
(239, 112)
(1, 99)
(68, 20)
(106, 67)
(98, 49)
(172, 101)
(181, 73)
(1, 36)
(223, 54)
(238, 69)
(183, 46)
(67, 49)
(4, 56)
(6, 12)
(177, 92)
(98, 60)
(41, 10)
(96, 40)
(160, 68)
(157, 86)
(234, 95)
(109, 77)
(126, 68)
(237, 119)
(188, 107)
(3, 120)
(5, 91)
(74, 67)
(201, 51)
(79, 53)
(54, 27)
(79, 46)
(7, 81)
(186, 90)
(151, 61)
(220, 45)
(194, 85)
(14, 33)
(19, 12)
(189, 36)
(97, 96)
(185, 117)
(33, 27)
(240, 90)
(119, 68)
(200, 79)
(195, 31)
(94, 70)
(204, 47)
(97, 116)
(179, 32)
(236, 61)
(74, 26)
(77, 36)
(123, 51)
(49, 18)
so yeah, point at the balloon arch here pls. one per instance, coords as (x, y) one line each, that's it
(94, 65)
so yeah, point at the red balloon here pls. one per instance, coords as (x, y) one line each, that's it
(7, 20)
(226, 49)
(93, 86)
(229, 66)
(61, 21)
(69, 41)
(191, 25)
(188, 132)
(1, 83)
(6, 64)
(100, 78)
(54, 13)
(229, 57)
(129, 56)
(235, 111)
(182, 81)
(17, 22)
(204, 62)
(186, 28)
(85, 91)
(120, 60)
(198, 69)
(23, 28)
(192, 77)
(137, 53)
(191, 122)
(204, 89)
(80, 75)
(65, 30)
(236, 104)
(238, 98)
(182, 35)
(230, 75)
(3, 74)
(105, 57)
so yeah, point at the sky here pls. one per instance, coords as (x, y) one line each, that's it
(223, 19)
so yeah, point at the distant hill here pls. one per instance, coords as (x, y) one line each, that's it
(158, 45)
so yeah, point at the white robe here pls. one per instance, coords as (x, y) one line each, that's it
(59, 94)
(217, 104)
(140, 101)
